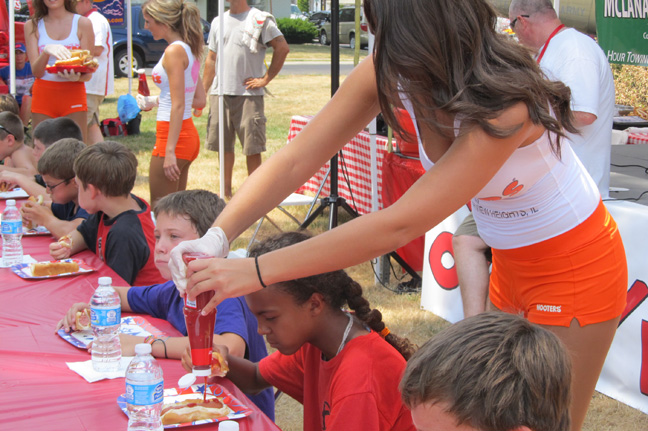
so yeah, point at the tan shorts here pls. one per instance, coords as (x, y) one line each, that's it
(468, 227)
(94, 100)
(244, 118)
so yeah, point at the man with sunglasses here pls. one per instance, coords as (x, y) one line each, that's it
(567, 55)
(14, 154)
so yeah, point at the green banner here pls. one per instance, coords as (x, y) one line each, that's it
(622, 30)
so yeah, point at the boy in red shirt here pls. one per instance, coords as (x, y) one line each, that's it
(120, 228)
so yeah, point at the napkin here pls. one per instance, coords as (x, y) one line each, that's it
(26, 259)
(85, 370)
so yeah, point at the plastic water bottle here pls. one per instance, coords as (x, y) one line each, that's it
(105, 316)
(144, 391)
(12, 251)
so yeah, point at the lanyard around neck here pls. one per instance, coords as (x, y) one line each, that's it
(546, 44)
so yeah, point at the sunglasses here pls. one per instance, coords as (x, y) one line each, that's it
(7, 131)
(516, 19)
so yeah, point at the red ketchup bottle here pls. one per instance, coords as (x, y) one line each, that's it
(199, 328)
(142, 85)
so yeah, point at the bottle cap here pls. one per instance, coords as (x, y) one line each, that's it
(105, 280)
(186, 380)
(143, 349)
(201, 373)
(11, 202)
(228, 426)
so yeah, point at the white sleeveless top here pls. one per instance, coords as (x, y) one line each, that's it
(533, 197)
(161, 79)
(70, 42)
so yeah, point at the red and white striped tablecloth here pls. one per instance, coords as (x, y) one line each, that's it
(354, 164)
(637, 138)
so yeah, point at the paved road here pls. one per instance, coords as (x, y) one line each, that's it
(313, 68)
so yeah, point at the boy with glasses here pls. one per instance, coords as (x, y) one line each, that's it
(56, 167)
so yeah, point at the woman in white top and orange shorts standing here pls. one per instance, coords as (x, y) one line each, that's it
(52, 32)
(177, 74)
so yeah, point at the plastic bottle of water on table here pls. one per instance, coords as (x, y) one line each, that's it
(12, 251)
(105, 316)
(144, 391)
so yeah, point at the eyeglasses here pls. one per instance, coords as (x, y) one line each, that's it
(56, 185)
(512, 25)
(6, 130)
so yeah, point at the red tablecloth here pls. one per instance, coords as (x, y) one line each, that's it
(355, 161)
(37, 389)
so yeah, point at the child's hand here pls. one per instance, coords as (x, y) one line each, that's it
(69, 321)
(37, 214)
(59, 251)
(219, 367)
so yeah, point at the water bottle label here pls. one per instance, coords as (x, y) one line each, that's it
(105, 316)
(11, 227)
(145, 394)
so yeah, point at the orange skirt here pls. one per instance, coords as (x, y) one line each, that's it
(580, 274)
(58, 99)
(188, 145)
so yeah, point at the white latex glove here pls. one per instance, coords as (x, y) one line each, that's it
(58, 51)
(214, 243)
(69, 75)
(146, 103)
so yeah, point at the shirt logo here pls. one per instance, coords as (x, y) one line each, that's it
(513, 188)
(549, 308)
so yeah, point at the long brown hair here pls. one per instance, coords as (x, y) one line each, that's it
(336, 287)
(445, 56)
(40, 10)
(182, 17)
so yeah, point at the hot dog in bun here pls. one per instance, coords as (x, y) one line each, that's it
(193, 409)
(42, 269)
(79, 57)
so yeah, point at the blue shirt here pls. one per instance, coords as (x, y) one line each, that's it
(68, 212)
(232, 315)
(24, 80)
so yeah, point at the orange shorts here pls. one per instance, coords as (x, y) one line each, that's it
(580, 274)
(188, 145)
(58, 99)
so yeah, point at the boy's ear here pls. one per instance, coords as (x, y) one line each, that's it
(94, 191)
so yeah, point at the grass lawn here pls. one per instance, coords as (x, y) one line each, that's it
(305, 95)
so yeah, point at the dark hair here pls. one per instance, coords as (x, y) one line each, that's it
(40, 10)
(494, 372)
(8, 103)
(109, 166)
(336, 287)
(180, 16)
(13, 124)
(456, 63)
(58, 159)
(201, 207)
(53, 129)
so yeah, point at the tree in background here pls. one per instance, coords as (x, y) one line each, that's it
(303, 6)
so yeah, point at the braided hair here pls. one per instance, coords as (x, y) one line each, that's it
(336, 287)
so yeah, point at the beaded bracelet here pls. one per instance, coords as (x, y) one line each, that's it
(149, 340)
(166, 356)
(256, 263)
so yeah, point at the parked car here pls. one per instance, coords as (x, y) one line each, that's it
(146, 50)
(347, 29)
(296, 13)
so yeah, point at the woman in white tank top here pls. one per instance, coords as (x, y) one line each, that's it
(558, 257)
(53, 30)
(177, 74)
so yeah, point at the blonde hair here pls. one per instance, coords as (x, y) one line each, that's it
(181, 17)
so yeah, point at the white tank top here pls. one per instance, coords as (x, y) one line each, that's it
(161, 79)
(70, 42)
(533, 197)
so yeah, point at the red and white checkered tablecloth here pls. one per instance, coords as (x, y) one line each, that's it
(637, 138)
(355, 163)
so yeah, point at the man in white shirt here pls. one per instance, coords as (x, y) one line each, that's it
(102, 82)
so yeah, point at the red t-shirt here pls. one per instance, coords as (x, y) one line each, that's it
(356, 390)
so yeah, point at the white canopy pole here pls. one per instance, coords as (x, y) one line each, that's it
(12, 47)
(129, 45)
(221, 104)
(374, 167)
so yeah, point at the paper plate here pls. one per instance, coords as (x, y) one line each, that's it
(131, 325)
(23, 270)
(39, 230)
(238, 409)
(16, 193)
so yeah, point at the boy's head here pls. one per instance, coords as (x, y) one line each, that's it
(109, 167)
(12, 133)
(54, 129)
(8, 103)
(182, 216)
(491, 372)
(56, 167)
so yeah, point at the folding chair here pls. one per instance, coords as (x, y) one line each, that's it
(295, 199)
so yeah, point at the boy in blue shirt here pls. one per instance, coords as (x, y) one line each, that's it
(24, 81)
(183, 216)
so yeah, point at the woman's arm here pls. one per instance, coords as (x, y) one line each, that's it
(467, 166)
(37, 60)
(200, 97)
(175, 62)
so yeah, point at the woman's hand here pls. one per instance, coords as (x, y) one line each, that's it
(171, 170)
(68, 322)
(146, 103)
(58, 51)
(69, 75)
(229, 278)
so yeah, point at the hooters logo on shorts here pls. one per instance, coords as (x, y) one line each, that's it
(549, 308)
